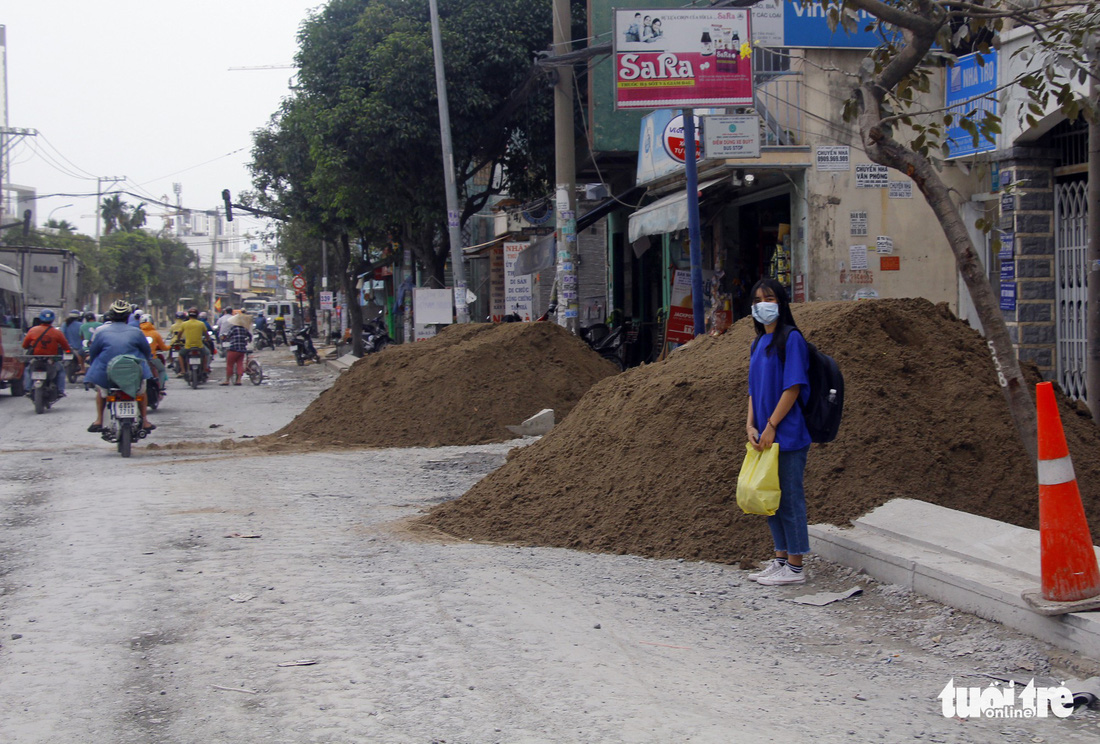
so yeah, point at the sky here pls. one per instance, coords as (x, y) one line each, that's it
(142, 89)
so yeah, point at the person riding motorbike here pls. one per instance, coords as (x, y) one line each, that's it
(71, 329)
(205, 318)
(135, 317)
(174, 339)
(193, 332)
(45, 340)
(263, 330)
(156, 345)
(87, 329)
(114, 338)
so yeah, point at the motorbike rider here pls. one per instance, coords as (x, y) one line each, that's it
(71, 329)
(114, 338)
(205, 318)
(87, 328)
(223, 323)
(135, 317)
(262, 329)
(193, 332)
(155, 345)
(45, 340)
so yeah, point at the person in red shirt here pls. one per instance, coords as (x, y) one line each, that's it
(45, 340)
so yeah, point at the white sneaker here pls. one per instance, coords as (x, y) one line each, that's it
(782, 577)
(772, 568)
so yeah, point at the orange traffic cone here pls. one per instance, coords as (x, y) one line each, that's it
(1069, 568)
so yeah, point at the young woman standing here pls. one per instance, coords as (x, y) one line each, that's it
(778, 377)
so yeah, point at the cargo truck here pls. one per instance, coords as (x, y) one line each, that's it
(11, 330)
(49, 277)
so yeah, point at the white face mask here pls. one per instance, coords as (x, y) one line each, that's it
(766, 313)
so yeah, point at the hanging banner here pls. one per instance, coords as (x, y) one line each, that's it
(679, 58)
(518, 295)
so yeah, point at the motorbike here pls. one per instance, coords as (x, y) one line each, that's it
(264, 338)
(174, 363)
(44, 391)
(154, 389)
(302, 346)
(193, 371)
(375, 335)
(608, 343)
(125, 420)
(72, 366)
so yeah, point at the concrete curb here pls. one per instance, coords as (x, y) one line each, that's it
(972, 563)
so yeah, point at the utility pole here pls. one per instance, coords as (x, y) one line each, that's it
(214, 264)
(1092, 272)
(462, 310)
(9, 137)
(565, 173)
(691, 172)
(99, 199)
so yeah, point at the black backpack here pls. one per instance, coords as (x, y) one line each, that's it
(825, 407)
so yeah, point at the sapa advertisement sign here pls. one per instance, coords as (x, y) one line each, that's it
(678, 58)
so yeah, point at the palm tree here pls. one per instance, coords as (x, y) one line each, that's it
(113, 211)
(64, 227)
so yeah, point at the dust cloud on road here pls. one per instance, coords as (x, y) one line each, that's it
(194, 595)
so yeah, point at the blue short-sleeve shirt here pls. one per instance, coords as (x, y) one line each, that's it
(768, 378)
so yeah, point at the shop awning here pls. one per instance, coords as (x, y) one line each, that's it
(667, 214)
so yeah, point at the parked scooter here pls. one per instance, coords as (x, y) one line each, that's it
(375, 335)
(124, 420)
(44, 391)
(302, 346)
(608, 343)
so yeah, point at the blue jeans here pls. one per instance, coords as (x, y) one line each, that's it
(790, 531)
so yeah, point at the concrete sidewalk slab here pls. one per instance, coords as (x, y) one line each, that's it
(342, 363)
(972, 563)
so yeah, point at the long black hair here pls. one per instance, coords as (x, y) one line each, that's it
(784, 325)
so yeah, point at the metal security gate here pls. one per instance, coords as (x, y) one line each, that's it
(1070, 249)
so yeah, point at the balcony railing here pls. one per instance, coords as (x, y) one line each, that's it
(777, 97)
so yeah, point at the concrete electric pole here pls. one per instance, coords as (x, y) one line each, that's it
(462, 310)
(565, 174)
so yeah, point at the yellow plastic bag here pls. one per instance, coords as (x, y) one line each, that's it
(758, 482)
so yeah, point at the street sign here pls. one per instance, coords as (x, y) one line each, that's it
(326, 300)
(299, 282)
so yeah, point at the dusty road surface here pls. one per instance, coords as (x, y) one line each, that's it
(205, 596)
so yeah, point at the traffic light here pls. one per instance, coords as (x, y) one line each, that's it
(26, 222)
(228, 205)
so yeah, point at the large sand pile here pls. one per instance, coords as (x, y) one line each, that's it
(647, 462)
(461, 387)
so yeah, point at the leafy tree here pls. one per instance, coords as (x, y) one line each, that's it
(886, 105)
(355, 152)
(132, 261)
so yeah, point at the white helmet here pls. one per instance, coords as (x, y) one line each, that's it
(146, 318)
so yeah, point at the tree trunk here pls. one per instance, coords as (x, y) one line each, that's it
(884, 150)
(351, 294)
